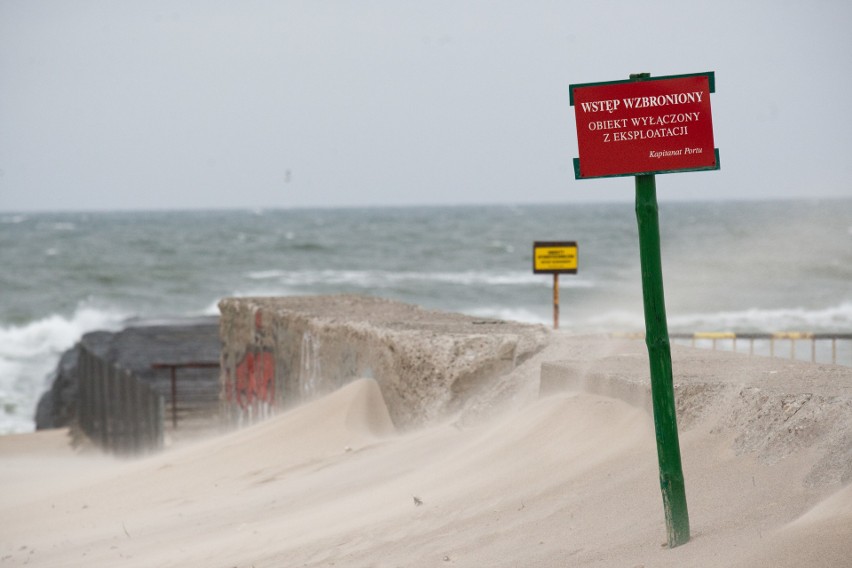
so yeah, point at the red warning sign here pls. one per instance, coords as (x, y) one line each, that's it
(646, 126)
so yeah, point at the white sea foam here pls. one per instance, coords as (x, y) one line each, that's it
(212, 309)
(508, 314)
(384, 279)
(30, 352)
(753, 319)
(786, 319)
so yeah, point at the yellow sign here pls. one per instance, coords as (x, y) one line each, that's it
(555, 257)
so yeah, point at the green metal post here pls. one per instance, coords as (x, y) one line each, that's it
(659, 354)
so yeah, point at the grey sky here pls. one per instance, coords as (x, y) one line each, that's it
(210, 104)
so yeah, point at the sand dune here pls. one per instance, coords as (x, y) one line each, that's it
(820, 537)
(568, 480)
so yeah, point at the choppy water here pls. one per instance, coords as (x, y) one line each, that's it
(734, 266)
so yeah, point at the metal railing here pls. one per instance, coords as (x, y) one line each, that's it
(189, 401)
(769, 343)
(124, 414)
(116, 410)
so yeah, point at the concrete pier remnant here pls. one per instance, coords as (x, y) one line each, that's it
(280, 351)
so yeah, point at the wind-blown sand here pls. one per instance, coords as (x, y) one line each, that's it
(566, 480)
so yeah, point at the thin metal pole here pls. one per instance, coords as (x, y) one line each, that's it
(555, 300)
(659, 355)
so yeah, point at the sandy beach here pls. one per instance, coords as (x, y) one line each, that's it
(569, 479)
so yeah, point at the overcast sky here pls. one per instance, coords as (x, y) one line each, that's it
(267, 104)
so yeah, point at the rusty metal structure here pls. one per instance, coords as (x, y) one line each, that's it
(125, 414)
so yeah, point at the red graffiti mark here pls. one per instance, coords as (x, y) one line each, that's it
(255, 380)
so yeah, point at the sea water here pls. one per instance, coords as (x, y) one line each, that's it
(728, 266)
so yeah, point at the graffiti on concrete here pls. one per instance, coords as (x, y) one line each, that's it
(253, 386)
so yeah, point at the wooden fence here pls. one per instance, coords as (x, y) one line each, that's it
(119, 412)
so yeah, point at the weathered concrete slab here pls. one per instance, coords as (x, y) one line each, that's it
(278, 352)
(773, 406)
